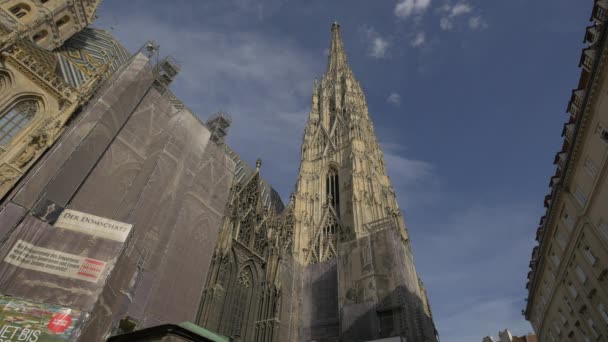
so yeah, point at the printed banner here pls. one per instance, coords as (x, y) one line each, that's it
(26, 255)
(27, 321)
(48, 264)
(93, 225)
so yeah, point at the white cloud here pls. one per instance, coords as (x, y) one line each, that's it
(407, 8)
(394, 98)
(477, 23)
(460, 9)
(419, 39)
(446, 24)
(377, 45)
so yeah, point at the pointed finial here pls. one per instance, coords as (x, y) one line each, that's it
(337, 56)
(258, 164)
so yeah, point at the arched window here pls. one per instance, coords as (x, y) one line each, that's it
(64, 20)
(20, 10)
(40, 35)
(332, 189)
(16, 118)
(241, 303)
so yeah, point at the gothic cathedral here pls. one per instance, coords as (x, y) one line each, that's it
(336, 263)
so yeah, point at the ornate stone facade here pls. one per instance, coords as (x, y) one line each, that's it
(336, 264)
(243, 293)
(29, 78)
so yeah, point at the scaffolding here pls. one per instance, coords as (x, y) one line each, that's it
(218, 124)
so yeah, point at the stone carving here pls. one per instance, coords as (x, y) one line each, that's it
(7, 175)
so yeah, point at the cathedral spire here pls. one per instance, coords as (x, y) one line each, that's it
(337, 56)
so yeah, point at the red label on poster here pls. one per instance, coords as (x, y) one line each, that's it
(60, 322)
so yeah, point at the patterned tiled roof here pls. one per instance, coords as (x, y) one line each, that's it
(82, 55)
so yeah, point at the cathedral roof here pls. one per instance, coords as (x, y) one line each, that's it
(243, 173)
(85, 52)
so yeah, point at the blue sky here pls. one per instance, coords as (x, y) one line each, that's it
(467, 97)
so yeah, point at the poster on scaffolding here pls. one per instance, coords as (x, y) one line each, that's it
(67, 263)
(27, 321)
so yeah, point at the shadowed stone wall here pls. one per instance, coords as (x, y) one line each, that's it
(319, 316)
(379, 291)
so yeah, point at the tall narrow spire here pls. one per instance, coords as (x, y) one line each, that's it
(337, 56)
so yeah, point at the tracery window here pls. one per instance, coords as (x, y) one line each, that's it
(332, 189)
(16, 118)
(242, 297)
(20, 10)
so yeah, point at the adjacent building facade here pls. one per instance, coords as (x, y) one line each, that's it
(506, 336)
(568, 286)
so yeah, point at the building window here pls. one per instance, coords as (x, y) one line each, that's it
(600, 13)
(587, 62)
(240, 307)
(580, 196)
(568, 219)
(40, 35)
(589, 255)
(20, 10)
(590, 168)
(16, 118)
(581, 274)
(64, 20)
(332, 189)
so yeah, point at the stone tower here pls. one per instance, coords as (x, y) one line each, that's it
(359, 281)
(335, 264)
